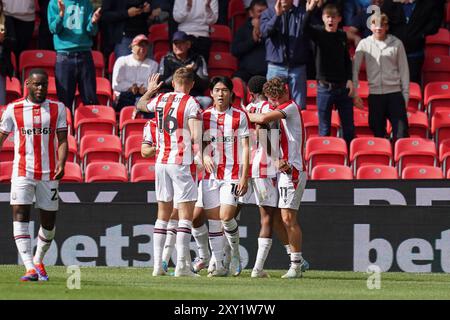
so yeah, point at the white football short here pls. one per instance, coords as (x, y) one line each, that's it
(217, 192)
(199, 202)
(24, 190)
(174, 182)
(291, 192)
(265, 192)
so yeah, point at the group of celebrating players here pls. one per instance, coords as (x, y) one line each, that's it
(238, 152)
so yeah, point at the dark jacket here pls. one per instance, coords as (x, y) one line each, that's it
(114, 17)
(249, 53)
(169, 64)
(425, 20)
(273, 30)
(6, 66)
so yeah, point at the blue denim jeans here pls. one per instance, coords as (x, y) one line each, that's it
(295, 77)
(74, 68)
(326, 99)
(2, 90)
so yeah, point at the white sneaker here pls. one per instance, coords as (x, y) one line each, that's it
(158, 272)
(199, 264)
(295, 271)
(212, 265)
(221, 272)
(184, 271)
(235, 265)
(259, 274)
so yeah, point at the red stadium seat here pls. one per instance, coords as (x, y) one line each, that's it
(103, 90)
(240, 92)
(363, 92)
(418, 124)
(437, 97)
(159, 37)
(99, 63)
(415, 97)
(422, 172)
(100, 148)
(72, 173)
(7, 151)
(51, 90)
(444, 154)
(311, 123)
(438, 44)
(311, 92)
(370, 151)
(361, 122)
(94, 119)
(440, 126)
(133, 151)
(237, 16)
(436, 68)
(325, 150)
(13, 89)
(414, 151)
(331, 172)
(128, 126)
(220, 38)
(111, 61)
(73, 149)
(106, 172)
(221, 64)
(374, 172)
(157, 56)
(30, 59)
(143, 172)
(5, 171)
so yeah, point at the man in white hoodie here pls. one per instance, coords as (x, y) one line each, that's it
(388, 77)
(195, 17)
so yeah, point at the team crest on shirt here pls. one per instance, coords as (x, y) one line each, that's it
(37, 119)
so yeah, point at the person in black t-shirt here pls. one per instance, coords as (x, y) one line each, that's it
(333, 70)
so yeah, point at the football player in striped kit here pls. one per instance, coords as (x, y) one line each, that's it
(40, 152)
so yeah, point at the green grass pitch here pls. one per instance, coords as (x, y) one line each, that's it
(137, 283)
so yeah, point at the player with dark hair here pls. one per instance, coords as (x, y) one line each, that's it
(38, 166)
(292, 176)
(226, 161)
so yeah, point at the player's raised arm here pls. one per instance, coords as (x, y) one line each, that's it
(152, 88)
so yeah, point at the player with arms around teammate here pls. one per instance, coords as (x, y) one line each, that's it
(292, 176)
(38, 165)
(178, 126)
(226, 161)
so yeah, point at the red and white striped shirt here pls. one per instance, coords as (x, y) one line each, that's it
(224, 131)
(173, 138)
(262, 165)
(149, 132)
(35, 127)
(292, 140)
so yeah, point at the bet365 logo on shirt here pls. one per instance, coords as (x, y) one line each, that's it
(35, 131)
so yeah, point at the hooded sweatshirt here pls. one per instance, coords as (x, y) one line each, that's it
(386, 65)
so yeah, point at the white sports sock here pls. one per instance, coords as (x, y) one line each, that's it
(264, 245)
(216, 240)
(171, 237)
(201, 238)
(183, 241)
(159, 238)
(23, 243)
(288, 249)
(45, 238)
(296, 258)
(232, 233)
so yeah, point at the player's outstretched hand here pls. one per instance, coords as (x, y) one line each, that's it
(59, 172)
(208, 163)
(242, 187)
(284, 166)
(153, 83)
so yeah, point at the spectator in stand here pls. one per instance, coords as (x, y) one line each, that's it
(6, 44)
(195, 17)
(124, 20)
(353, 8)
(131, 73)
(45, 40)
(73, 23)
(388, 77)
(359, 28)
(288, 49)
(334, 70)
(182, 56)
(411, 21)
(247, 45)
(20, 15)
